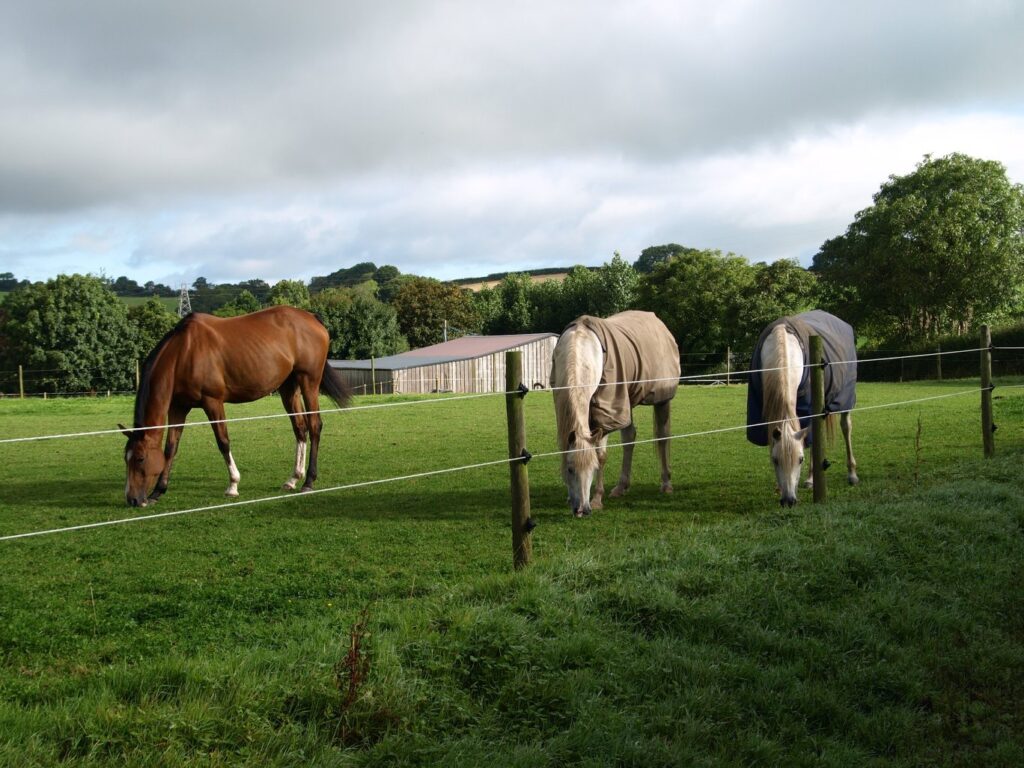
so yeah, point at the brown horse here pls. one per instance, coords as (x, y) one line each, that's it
(206, 361)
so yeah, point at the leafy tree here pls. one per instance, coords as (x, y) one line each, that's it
(699, 296)
(617, 284)
(332, 305)
(513, 306)
(941, 249)
(294, 293)
(775, 290)
(371, 329)
(651, 257)
(242, 304)
(7, 281)
(424, 305)
(149, 322)
(74, 331)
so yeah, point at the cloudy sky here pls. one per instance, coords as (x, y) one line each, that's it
(167, 140)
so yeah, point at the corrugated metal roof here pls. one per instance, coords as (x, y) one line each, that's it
(463, 348)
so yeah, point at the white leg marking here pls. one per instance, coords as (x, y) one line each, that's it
(233, 473)
(300, 466)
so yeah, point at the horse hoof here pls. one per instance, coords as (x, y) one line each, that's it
(306, 489)
(289, 486)
(231, 494)
(666, 488)
(853, 479)
(618, 491)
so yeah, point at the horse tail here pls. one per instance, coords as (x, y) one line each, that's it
(334, 385)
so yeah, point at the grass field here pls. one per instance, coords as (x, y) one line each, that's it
(384, 625)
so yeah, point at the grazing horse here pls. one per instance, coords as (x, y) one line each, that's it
(206, 361)
(601, 370)
(779, 396)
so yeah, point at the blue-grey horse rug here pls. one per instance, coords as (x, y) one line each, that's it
(839, 345)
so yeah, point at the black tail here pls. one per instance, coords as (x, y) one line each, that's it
(334, 384)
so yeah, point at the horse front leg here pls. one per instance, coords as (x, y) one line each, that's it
(663, 431)
(176, 417)
(597, 500)
(851, 463)
(214, 410)
(628, 438)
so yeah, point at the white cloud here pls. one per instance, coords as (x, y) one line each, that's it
(164, 139)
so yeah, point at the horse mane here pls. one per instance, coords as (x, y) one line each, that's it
(778, 403)
(146, 372)
(572, 399)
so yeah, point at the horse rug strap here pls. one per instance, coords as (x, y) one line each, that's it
(839, 345)
(641, 366)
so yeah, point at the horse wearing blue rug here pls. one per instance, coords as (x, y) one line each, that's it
(779, 394)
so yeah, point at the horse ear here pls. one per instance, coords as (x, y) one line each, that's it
(776, 434)
(124, 430)
(802, 434)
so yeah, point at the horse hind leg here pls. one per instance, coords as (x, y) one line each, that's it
(311, 396)
(851, 463)
(293, 405)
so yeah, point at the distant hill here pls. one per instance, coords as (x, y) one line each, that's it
(535, 275)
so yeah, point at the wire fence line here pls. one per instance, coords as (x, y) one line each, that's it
(470, 396)
(449, 470)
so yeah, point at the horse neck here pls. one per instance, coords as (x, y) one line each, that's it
(783, 361)
(580, 366)
(156, 388)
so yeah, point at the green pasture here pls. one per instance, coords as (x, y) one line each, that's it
(384, 625)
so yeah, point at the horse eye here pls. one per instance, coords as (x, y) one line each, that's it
(801, 459)
(775, 461)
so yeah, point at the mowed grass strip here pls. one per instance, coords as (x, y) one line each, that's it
(384, 625)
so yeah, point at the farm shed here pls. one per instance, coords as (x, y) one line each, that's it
(469, 364)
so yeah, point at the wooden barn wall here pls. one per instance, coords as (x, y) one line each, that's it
(478, 375)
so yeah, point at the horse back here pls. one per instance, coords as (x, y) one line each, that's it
(240, 359)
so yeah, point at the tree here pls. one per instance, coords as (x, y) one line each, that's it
(371, 329)
(775, 290)
(699, 296)
(150, 322)
(74, 332)
(617, 285)
(360, 325)
(294, 293)
(650, 257)
(940, 250)
(514, 307)
(242, 304)
(424, 306)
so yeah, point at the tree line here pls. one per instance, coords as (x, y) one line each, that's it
(939, 251)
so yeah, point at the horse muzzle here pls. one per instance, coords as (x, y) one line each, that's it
(788, 501)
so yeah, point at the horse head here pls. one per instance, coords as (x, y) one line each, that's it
(787, 454)
(579, 465)
(144, 462)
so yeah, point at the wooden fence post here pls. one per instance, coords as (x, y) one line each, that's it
(373, 374)
(938, 361)
(728, 366)
(817, 421)
(21, 382)
(520, 478)
(988, 440)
